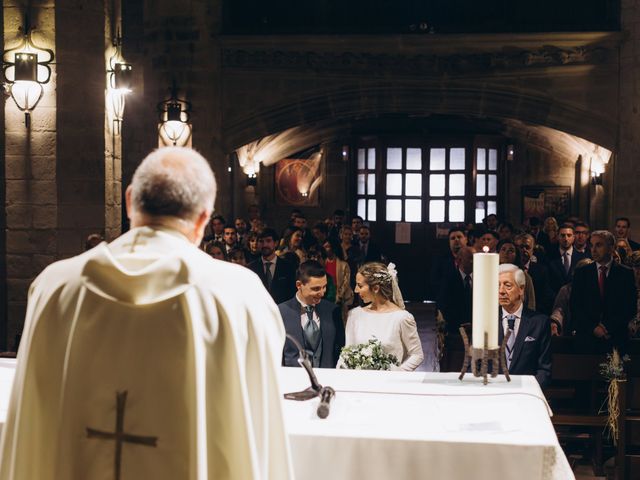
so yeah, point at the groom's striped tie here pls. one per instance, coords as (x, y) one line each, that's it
(511, 322)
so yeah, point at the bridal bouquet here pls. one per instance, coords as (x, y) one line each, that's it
(367, 356)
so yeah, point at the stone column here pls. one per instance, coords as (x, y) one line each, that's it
(31, 196)
(61, 183)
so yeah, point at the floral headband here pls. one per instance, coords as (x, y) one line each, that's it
(387, 276)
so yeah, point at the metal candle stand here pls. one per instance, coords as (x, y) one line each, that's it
(484, 355)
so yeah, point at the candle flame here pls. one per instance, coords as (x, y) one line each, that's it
(485, 249)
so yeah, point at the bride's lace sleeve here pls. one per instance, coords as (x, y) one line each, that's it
(410, 343)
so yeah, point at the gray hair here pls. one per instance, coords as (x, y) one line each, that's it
(606, 235)
(175, 182)
(524, 236)
(521, 280)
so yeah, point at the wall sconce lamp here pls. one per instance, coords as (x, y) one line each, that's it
(510, 152)
(26, 68)
(252, 179)
(120, 75)
(345, 153)
(174, 114)
(596, 178)
(597, 170)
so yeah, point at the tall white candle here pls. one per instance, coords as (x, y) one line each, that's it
(485, 299)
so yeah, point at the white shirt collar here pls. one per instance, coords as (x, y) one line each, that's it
(517, 313)
(608, 265)
(568, 250)
(264, 262)
(300, 300)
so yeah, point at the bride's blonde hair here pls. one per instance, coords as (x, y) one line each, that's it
(383, 276)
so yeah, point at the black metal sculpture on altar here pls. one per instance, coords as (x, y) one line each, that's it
(487, 357)
(315, 390)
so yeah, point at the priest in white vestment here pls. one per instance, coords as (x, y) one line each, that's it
(147, 359)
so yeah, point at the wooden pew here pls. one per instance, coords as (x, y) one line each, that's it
(575, 393)
(627, 461)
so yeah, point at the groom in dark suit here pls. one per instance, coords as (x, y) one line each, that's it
(314, 322)
(529, 347)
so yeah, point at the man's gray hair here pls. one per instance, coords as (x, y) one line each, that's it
(606, 235)
(524, 236)
(175, 182)
(521, 280)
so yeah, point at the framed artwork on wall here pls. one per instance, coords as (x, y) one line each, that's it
(297, 181)
(546, 201)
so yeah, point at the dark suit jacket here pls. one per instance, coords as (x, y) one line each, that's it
(557, 275)
(454, 303)
(618, 307)
(634, 245)
(442, 269)
(283, 285)
(331, 327)
(544, 295)
(373, 253)
(532, 350)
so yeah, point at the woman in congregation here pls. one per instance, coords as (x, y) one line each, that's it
(253, 252)
(292, 248)
(384, 316)
(216, 250)
(340, 273)
(350, 252)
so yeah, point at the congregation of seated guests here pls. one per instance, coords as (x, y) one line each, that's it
(583, 282)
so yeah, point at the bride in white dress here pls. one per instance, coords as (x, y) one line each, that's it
(384, 317)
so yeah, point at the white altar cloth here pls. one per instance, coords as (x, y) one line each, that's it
(406, 425)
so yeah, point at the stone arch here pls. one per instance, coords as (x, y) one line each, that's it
(476, 100)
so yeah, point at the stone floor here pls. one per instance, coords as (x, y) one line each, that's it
(585, 472)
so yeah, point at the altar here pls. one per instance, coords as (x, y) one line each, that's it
(405, 425)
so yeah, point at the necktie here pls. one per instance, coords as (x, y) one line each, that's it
(566, 261)
(601, 278)
(267, 274)
(309, 310)
(467, 285)
(311, 329)
(511, 323)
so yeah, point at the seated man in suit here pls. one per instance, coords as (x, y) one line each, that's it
(603, 298)
(370, 252)
(562, 260)
(455, 298)
(623, 225)
(277, 274)
(537, 271)
(444, 266)
(314, 322)
(490, 239)
(529, 347)
(581, 244)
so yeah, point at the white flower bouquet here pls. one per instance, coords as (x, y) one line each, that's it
(367, 356)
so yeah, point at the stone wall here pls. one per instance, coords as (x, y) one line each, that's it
(31, 202)
(58, 187)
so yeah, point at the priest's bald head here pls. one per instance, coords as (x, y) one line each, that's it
(173, 187)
